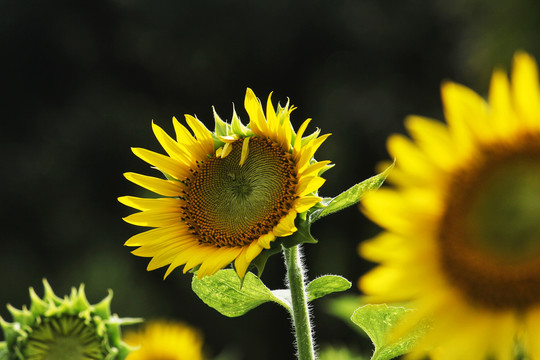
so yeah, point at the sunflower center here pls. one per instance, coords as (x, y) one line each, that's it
(63, 338)
(233, 205)
(490, 233)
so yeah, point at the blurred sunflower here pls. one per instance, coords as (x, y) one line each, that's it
(165, 340)
(228, 193)
(462, 239)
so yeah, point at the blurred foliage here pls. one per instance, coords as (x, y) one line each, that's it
(84, 80)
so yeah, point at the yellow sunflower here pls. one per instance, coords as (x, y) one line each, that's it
(462, 221)
(228, 193)
(165, 340)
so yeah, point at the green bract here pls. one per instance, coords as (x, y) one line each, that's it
(63, 329)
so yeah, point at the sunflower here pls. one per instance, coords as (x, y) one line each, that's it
(461, 221)
(165, 340)
(227, 194)
(68, 328)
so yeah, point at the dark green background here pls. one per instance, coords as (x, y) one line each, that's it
(82, 81)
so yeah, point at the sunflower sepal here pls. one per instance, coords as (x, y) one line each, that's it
(350, 196)
(301, 235)
(381, 321)
(221, 127)
(238, 128)
(231, 296)
(260, 261)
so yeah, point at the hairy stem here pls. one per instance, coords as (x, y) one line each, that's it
(300, 312)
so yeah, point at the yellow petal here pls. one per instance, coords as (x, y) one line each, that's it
(504, 328)
(226, 150)
(164, 163)
(309, 185)
(253, 250)
(219, 260)
(241, 263)
(159, 186)
(184, 137)
(165, 256)
(532, 329)
(412, 212)
(466, 114)
(179, 257)
(525, 89)
(285, 134)
(167, 244)
(245, 151)
(308, 152)
(158, 235)
(412, 160)
(271, 118)
(433, 138)
(172, 148)
(388, 247)
(388, 284)
(153, 218)
(305, 203)
(286, 227)
(256, 115)
(314, 169)
(298, 140)
(265, 240)
(203, 135)
(229, 138)
(197, 256)
(148, 204)
(503, 118)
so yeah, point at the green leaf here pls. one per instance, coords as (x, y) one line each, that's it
(351, 196)
(325, 285)
(378, 321)
(225, 292)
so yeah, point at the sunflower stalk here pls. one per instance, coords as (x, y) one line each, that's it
(300, 311)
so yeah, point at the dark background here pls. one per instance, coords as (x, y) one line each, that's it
(82, 81)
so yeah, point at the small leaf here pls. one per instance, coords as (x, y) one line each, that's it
(351, 196)
(378, 321)
(325, 285)
(225, 292)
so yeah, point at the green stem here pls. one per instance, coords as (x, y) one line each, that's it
(300, 312)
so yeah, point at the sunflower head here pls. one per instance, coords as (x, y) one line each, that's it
(227, 194)
(63, 329)
(165, 340)
(462, 236)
